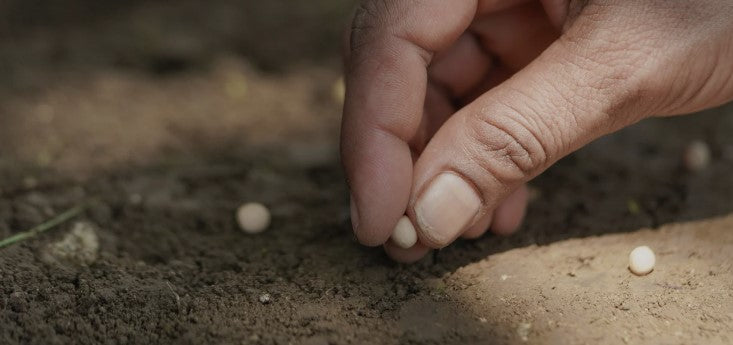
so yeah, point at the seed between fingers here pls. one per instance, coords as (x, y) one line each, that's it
(404, 234)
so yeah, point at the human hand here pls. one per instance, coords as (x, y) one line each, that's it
(451, 106)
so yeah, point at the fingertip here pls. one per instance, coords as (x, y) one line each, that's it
(510, 214)
(369, 239)
(354, 214)
(380, 171)
(366, 235)
(406, 256)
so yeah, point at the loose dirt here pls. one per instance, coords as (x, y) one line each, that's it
(171, 156)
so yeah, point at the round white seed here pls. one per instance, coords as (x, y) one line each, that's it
(641, 260)
(253, 217)
(404, 234)
(696, 156)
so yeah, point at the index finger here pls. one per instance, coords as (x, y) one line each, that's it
(391, 45)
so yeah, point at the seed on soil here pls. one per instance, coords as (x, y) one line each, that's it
(404, 234)
(696, 156)
(253, 217)
(641, 260)
(265, 298)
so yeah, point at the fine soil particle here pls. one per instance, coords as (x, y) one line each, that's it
(169, 154)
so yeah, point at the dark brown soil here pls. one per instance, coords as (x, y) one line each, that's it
(170, 155)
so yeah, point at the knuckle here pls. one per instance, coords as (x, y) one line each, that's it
(504, 147)
(611, 77)
(621, 47)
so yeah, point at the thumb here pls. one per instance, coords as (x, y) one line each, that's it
(585, 85)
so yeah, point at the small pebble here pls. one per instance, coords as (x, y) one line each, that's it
(80, 247)
(404, 234)
(641, 260)
(696, 156)
(253, 217)
(265, 298)
(523, 330)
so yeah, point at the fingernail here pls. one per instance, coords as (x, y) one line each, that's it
(404, 234)
(446, 208)
(354, 214)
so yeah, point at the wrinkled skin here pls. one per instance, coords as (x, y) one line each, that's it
(494, 92)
